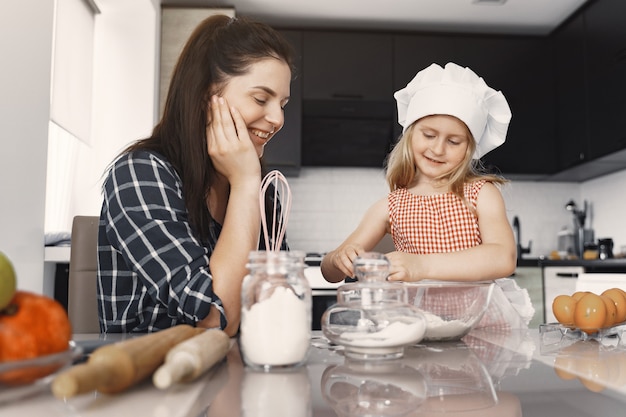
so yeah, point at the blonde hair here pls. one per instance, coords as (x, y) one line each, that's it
(401, 171)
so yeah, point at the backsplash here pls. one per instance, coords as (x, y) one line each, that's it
(608, 207)
(328, 203)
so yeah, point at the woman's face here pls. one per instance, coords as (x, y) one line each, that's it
(260, 96)
(439, 144)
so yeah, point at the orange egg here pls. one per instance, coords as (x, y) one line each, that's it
(590, 313)
(611, 311)
(578, 294)
(619, 299)
(563, 309)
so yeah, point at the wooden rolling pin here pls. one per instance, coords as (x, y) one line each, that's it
(191, 358)
(115, 367)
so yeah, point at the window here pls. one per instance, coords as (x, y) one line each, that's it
(70, 105)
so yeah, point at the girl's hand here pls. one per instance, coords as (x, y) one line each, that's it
(404, 266)
(337, 264)
(343, 257)
(229, 144)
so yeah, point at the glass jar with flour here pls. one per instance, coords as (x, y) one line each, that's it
(372, 318)
(275, 311)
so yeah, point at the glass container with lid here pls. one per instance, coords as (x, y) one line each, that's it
(373, 388)
(275, 311)
(372, 318)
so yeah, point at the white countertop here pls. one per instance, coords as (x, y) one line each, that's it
(317, 281)
(59, 254)
(520, 365)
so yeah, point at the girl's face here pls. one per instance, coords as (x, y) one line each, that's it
(439, 144)
(260, 96)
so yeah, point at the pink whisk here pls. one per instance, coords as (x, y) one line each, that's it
(279, 219)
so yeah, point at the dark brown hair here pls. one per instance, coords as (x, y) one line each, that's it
(219, 48)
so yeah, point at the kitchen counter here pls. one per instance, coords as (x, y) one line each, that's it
(593, 265)
(590, 265)
(504, 374)
(529, 262)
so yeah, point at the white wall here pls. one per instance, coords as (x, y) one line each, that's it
(328, 203)
(26, 50)
(124, 103)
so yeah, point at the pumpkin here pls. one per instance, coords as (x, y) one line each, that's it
(31, 326)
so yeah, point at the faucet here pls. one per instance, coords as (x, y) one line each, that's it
(518, 239)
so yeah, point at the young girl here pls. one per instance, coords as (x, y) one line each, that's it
(181, 208)
(447, 220)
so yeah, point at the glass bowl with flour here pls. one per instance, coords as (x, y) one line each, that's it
(372, 318)
(451, 309)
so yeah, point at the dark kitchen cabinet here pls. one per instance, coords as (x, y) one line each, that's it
(348, 107)
(283, 152)
(606, 71)
(521, 67)
(413, 53)
(571, 93)
(567, 92)
(347, 65)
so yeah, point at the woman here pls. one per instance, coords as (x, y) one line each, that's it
(181, 207)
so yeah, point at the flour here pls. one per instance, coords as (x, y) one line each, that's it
(277, 330)
(396, 334)
(438, 328)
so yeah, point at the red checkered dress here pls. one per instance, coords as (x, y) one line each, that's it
(424, 224)
(434, 223)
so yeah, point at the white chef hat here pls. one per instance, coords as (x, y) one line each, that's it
(458, 92)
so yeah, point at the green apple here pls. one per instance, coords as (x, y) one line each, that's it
(8, 282)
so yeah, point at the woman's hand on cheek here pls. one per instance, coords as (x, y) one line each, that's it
(229, 144)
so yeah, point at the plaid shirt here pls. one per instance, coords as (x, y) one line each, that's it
(153, 272)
